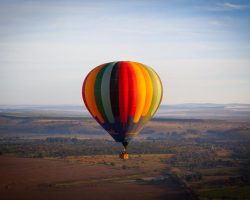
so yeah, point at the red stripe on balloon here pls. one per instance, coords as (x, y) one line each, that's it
(132, 90)
(123, 91)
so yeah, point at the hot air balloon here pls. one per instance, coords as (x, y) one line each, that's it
(122, 96)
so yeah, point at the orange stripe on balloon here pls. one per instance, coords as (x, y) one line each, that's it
(89, 95)
(83, 94)
(149, 89)
(140, 91)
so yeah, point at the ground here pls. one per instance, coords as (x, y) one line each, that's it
(87, 177)
(46, 157)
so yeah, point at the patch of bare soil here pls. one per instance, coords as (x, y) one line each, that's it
(30, 178)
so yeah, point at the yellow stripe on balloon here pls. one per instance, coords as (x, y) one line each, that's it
(141, 91)
(161, 94)
(149, 90)
(157, 93)
(90, 95)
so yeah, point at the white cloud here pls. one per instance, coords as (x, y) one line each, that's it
(227, 6)
(232, 6)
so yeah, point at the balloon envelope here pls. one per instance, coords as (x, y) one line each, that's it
(122, 96)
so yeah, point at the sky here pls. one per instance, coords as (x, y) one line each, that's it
(200, 49)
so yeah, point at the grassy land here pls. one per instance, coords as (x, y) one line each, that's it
(208, 159)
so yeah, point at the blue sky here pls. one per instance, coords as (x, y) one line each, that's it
(201, 49)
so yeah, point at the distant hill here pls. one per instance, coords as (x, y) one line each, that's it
(190, 111)
(206, 111)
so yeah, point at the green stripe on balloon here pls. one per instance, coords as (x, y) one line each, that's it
(97, 92)
(105, 91)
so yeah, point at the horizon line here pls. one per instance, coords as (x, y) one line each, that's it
(170, 104)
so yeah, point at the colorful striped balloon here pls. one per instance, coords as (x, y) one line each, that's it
(122, 96)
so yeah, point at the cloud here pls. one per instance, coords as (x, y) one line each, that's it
(231, 6)
(227, 6)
